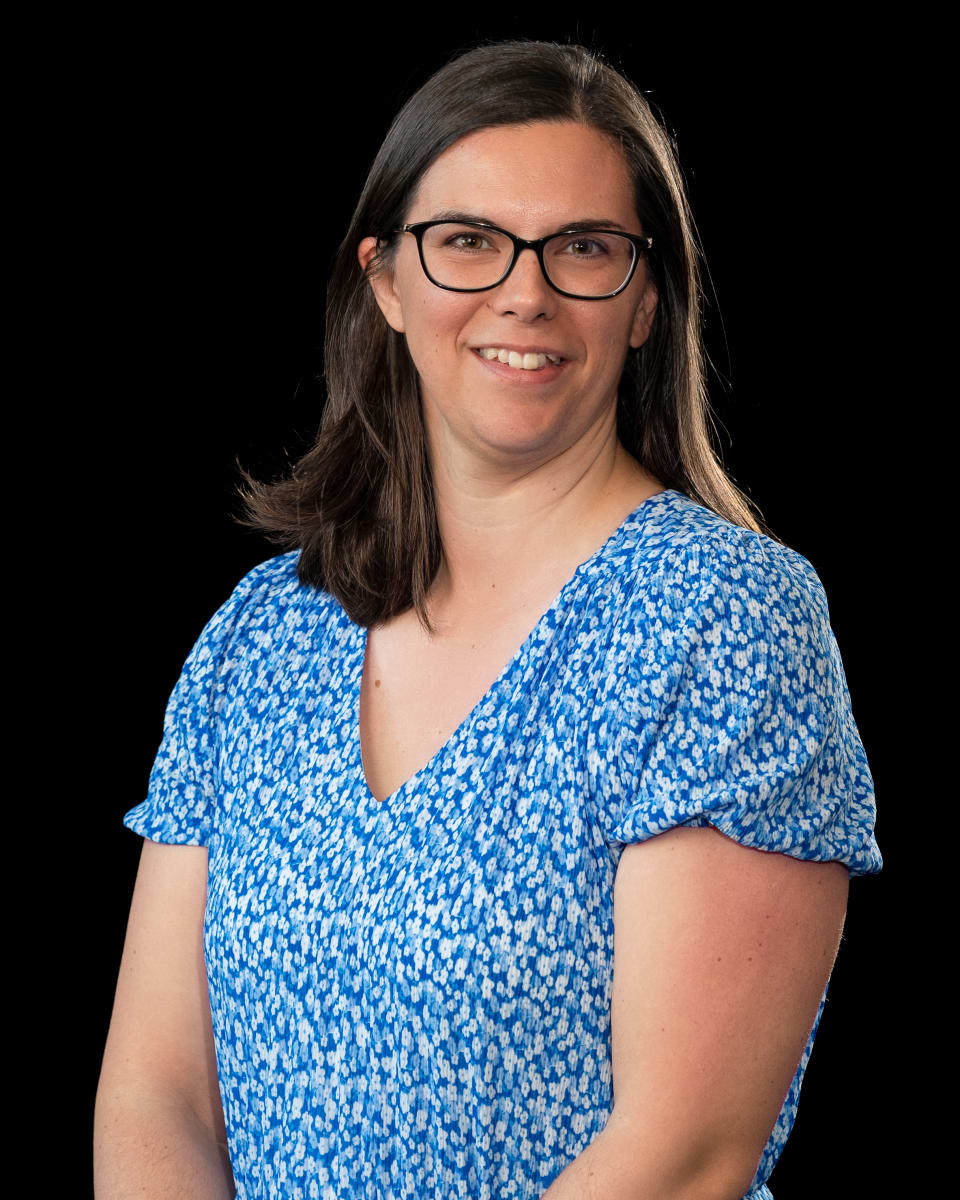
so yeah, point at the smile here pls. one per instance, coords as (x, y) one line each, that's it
(522, 362)
(521, 368)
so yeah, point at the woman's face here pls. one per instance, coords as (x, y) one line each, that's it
(533, 180)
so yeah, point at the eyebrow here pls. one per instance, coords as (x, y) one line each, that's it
(450, 214)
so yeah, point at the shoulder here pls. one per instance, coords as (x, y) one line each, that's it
(692, 571)
(270, 578)
(274, 585)
(269, 603)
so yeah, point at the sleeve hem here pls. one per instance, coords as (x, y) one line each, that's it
(158, 831)
(859, 865)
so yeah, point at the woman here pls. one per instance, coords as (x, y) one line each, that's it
(530, 694)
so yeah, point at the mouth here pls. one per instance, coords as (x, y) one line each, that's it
(519, 360)
(514, 367)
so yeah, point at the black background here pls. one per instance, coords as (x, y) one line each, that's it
(211, 174)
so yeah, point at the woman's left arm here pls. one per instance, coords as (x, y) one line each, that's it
(721, 956)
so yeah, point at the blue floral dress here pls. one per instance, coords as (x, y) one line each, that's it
(411, 999)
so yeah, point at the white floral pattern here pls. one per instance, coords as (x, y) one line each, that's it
(412, 999)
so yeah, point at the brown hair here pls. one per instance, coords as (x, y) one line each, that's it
(360, 504)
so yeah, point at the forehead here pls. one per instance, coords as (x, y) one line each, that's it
(530, 178)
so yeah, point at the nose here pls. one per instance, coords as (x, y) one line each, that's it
(525, 292)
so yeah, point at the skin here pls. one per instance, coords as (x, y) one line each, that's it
(516, 469)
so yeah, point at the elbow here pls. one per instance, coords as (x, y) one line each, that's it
(727, 1174)
(719, 1178)
(722, 1173)
(681, 1167)
(737, 1181)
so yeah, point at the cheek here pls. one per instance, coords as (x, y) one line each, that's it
(609, 340)
(438, 327)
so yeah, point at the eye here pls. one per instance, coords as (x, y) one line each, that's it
(462, 241)
(592, 247)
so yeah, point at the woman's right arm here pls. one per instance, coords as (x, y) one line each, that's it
(158, 1122)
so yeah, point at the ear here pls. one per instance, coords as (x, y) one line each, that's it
(643, 319)
(383, 285)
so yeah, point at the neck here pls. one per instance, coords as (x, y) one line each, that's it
(503, 546)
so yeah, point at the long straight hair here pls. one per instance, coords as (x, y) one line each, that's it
(359, 503)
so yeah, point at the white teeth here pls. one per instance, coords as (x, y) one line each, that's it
(523, 362)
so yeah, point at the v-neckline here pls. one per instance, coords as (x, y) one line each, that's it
(361, 635)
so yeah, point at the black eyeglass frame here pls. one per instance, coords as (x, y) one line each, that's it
(641, 245)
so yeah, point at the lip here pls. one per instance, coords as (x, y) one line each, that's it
(516, 375)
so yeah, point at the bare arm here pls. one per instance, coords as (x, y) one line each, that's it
(158, 1123)
(615, 1167)
(721, 955)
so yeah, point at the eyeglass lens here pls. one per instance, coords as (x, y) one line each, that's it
(587, 264)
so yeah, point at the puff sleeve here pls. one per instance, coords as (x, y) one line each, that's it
(733, 710)
(182, 789)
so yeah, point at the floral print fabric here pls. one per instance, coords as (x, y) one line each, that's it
(412, 999)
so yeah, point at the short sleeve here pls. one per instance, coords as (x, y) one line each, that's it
(182, 788)
(734, 710)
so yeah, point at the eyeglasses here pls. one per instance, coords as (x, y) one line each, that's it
(595, 264)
